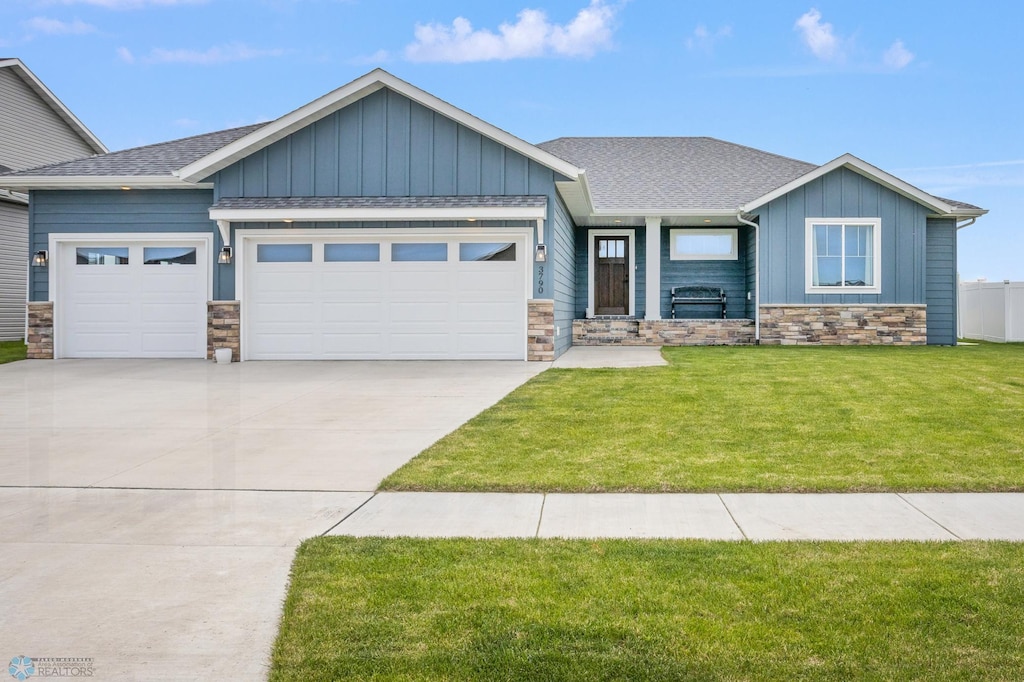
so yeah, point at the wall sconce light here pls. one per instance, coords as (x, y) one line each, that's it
(40, 259)
(224, 257)
(541, 256)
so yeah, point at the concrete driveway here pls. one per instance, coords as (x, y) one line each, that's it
(149, 510)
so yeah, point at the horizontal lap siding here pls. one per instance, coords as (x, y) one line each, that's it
(730, 275)
(941, 281)
(152, 211)
(31, 133)
(563, 275)
(13, 269)
(387, 145)
(842, 194)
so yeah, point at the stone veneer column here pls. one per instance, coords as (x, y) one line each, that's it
(40, 330)
(223, 328)
(540, 330)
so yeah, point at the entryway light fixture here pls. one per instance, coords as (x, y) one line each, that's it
(542, 253)
(224, 257)
(41, 259)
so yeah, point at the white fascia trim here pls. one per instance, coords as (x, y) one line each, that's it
(40, 89)
(673, 213)
(863, 168)
(99, 182)
(13, 197)
(600, 232)
(256, 215)
(342, 97)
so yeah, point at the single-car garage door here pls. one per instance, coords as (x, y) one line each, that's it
(132, 299)
(349, 297)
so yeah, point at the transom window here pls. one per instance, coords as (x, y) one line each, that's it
(351, 253)
(427, 251)
(492, 251)
(168, 255)
(843, 255)
(706, 244)
(284, 253)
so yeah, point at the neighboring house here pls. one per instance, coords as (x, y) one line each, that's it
(35, 129)
(381, 222)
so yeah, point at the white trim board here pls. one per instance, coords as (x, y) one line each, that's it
(241, 215)
(601, 232)
(876, 245)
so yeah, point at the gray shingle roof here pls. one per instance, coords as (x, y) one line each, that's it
(486, 201)
(959, 204)
(150, 161)
(674, 173)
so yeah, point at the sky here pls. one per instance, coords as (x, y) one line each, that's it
(930, 91)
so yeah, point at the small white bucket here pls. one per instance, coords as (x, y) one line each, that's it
(222, 356)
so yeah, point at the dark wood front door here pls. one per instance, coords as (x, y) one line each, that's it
(611, 276)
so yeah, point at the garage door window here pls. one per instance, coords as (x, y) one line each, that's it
(497, 251)
(284, 253)
(419, 252)
(160, 255)
(351, 253)
(102, 255)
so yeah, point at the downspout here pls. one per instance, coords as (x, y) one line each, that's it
(757, 276)
(970, 222)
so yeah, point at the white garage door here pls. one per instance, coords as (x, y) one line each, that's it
(376, 298)
(132, 299)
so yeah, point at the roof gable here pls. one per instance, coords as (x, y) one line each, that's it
(338, 99)
(933, 203)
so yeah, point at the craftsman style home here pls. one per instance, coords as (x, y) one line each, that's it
(382, 222)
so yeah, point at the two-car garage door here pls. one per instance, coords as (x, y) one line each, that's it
(369, 297)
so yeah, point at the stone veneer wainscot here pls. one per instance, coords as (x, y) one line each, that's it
(540, 330)
(40, 330)
(223, 328)
(844, 325)
(677, 332)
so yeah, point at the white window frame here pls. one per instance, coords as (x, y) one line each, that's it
(876, 238)
(675, 254)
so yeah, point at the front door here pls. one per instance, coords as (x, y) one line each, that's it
(611, 276)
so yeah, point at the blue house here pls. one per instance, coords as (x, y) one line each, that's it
(382, 222)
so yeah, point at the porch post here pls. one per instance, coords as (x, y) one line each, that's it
(653, 298)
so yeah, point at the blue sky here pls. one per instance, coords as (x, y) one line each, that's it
(930, 91)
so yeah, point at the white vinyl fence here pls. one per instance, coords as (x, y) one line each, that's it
(992, 311)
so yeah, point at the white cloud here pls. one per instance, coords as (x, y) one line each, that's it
(819, 37)
(125, 55)
(234, 52)
(56, 27)
(897, 56)
(186, 123)
(532, 35)
(703, 39)
(131, 4)
(945, 180)
(378, 57)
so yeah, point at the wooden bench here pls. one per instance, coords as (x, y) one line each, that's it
(697, 295)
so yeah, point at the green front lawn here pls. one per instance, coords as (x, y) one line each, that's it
(651, 610)
(11, 351)
(750, 419)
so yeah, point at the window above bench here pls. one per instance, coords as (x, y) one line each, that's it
(844, 255)
(704, 244)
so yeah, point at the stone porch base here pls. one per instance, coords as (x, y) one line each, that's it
(678, 332)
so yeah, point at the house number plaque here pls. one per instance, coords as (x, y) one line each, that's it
(540, 279)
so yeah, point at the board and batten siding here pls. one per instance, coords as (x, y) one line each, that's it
(387, 145)
(103, 211)
(941, 281)
(638, 247)
(13, 269)
(31, 133)
(842, 194)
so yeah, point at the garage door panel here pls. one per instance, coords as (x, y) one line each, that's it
(94, 314)
(102, 343)
(101, 284)
(343, 312)
(168, 343)
(488, 282)
(168, 313)
(404, 309)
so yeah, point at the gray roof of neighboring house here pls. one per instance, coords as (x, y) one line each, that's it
(674, 173)
(160, 159)
(486, 201)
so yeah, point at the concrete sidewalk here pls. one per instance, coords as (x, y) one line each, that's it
(755, 516)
